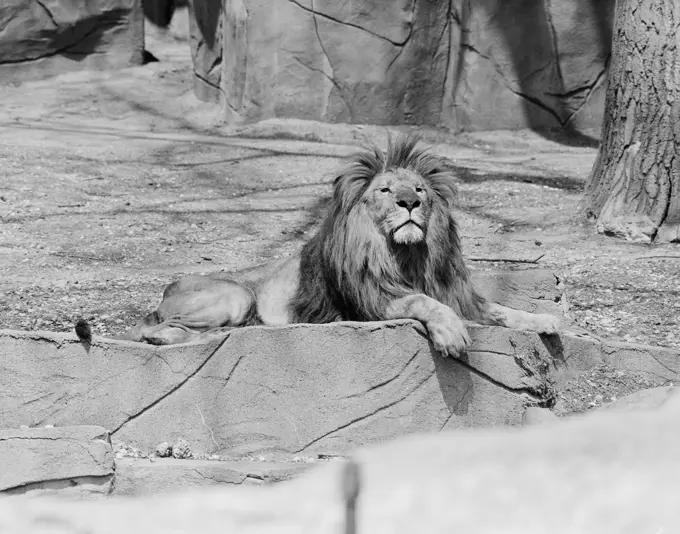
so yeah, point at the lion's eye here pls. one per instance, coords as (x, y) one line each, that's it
(385, 190)
(419, 189)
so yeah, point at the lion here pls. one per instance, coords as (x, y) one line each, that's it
(387, 248)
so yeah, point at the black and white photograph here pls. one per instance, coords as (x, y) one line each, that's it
(339, 266)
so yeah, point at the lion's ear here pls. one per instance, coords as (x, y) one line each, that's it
(347, 191)
(445, 182)
(356, 176)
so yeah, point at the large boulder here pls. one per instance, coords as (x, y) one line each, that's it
(463, 65)
(43, 38)
(296, 390)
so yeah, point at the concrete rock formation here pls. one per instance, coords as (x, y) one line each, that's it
(488, 64)
(301, 389)
(75, 461)
(136, 477)
(607, 472)
(39, 39)
(643, 400)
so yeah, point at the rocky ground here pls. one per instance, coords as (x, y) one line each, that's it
(115, 184)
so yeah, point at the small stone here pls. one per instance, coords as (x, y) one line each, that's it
(49, 426)
(164, 450)
(181, 449)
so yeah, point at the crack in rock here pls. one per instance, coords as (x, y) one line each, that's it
(385, 382)
(114, 18)
(536, 101)
(528, 392)
(149, 406)
(206, 81)
(455, 407)
(71, 481)
(351, 25)
(49, 13)
(368, 415)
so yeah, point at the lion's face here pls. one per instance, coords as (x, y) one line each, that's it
(400, 203)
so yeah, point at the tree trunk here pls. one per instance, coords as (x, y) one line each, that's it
(634, 187)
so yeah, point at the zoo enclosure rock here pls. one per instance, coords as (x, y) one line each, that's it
(461, 65)
(643, 400)
(135, 477)
(42, 39)
(619, 470)
(301, 389)
(77, 460)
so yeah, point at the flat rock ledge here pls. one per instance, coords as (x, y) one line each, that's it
(136, 477)
(295, 390)
(76, 461)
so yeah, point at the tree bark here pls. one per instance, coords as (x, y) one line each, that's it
(634, 187)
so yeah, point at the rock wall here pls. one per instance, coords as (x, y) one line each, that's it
(41, 38)
(463, 65)
(301, 389)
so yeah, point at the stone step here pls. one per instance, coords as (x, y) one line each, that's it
(135, 476)
(75, 461)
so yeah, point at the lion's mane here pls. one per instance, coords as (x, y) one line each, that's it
(350, 271)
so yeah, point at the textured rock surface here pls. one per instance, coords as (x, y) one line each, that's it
(643, 400)
(43, 38)
(463, 65)
(619, 470)
(135, 477)
(299, 389)
(576, 354)
(206, 27)
(308, 389)
(51, 378)
(72, 460)
(532, 290)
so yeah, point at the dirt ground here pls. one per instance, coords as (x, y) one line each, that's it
(114, 184)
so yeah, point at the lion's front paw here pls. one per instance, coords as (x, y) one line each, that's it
(546, 324)
(449, 336)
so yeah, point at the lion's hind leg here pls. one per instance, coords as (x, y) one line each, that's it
(195, 306)
(495, 314)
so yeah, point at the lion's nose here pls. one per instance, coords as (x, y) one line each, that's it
(410, 203)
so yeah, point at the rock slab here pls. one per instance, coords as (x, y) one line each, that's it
(643, 400)
(136, 477)
(300, 389)
(43, 38)
(462, 65)
(45, 460)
